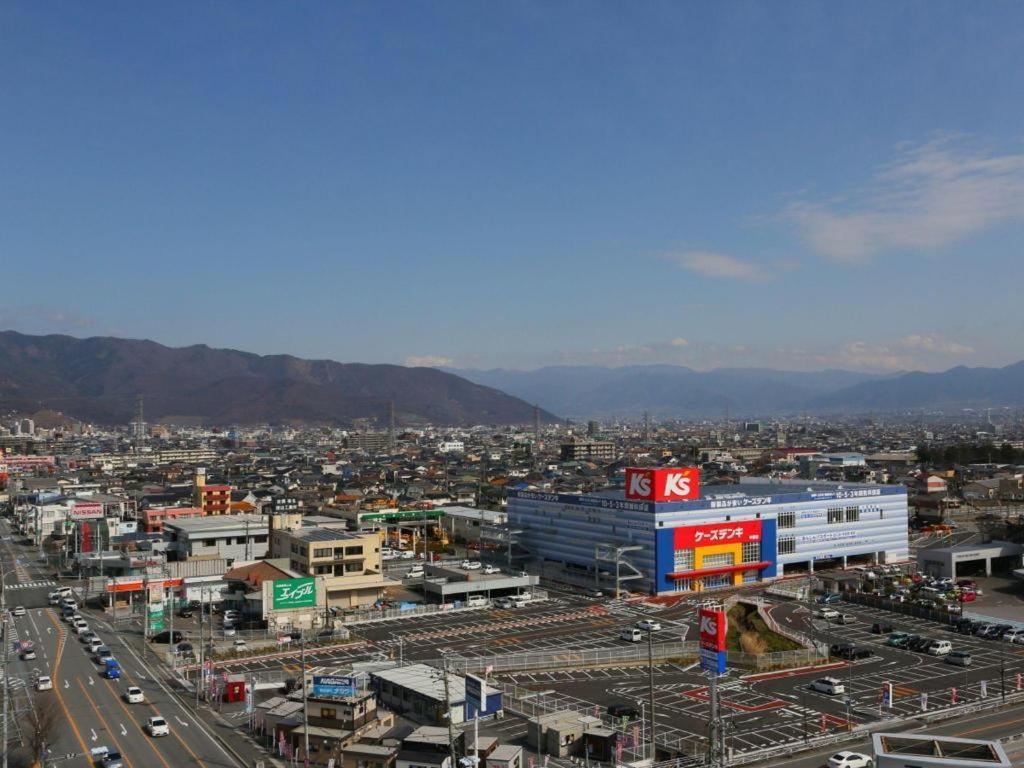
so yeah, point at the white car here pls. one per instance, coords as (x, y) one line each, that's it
(490, 569)
(829, 685)
(471, 565)
(408, 555)
(848, 759)
(44, 683)
(134, 695)
(1013, 636)
(157, 726)
(649, 625)
(94, 645)
(239, 644)
(81, 629)
(827, 613)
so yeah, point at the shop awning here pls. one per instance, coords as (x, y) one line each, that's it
(721, 569)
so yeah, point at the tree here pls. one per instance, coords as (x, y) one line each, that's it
(46, 723)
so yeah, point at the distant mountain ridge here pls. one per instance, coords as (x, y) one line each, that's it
(97, 379)
(667, 391)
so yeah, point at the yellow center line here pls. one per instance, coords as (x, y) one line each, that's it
(106, 725)
(55, 678)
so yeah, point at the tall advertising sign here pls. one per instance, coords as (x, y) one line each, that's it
(474, 695)
(294, 593)
(671, 484)
(713, 627)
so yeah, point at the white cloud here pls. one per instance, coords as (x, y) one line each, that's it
(913, 352)
(719, 265)
(428, 361)
(931, 196)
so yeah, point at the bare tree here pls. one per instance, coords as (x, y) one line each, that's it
(46, 723)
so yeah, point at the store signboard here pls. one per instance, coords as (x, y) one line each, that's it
(294, 593)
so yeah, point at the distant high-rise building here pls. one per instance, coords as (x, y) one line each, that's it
(593, 428)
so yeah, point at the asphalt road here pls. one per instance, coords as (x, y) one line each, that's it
(91, 710)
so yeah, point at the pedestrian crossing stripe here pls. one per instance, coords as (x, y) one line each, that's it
(31, 584)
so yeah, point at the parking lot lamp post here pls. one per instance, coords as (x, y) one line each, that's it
(305, 703)
(650, 685)
(803, 711)
(1002, 671)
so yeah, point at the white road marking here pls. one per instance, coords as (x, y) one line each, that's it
(91, 681)
(66, 685)
(124, 731)
(180, 721)
(94, 736)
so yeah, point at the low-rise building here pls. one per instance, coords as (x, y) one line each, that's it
(234, 538)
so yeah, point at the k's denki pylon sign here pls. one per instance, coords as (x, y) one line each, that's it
(674, 484)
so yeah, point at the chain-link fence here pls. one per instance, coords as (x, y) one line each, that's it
(906, 609)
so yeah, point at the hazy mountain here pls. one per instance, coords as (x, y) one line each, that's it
(956, 388)
(666, 390)
(97, 379)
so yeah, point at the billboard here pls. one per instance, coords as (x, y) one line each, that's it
(671, 484)
(86, 510)
(294, 593)
(332, 685)
(713, 628)
(693, 536)
(474, 694)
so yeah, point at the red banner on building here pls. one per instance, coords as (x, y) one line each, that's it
(676, 484)
(694, 536)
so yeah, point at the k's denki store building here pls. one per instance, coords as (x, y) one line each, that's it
(721, 537)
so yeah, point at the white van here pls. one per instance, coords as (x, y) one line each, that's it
(940, 648)
(632, 634)
(518, 601)
(830, 685)
(476, 601)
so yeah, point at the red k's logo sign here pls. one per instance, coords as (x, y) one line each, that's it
(677, 484)
(712, 629)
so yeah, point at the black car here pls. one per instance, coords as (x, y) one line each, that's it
(918, 643)
(852, 653)
(624, 710)
(881, 629)
(838, 649)
(999, 630)
(165, 637)
(185, 613)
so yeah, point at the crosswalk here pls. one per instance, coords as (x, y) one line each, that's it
(31, 585)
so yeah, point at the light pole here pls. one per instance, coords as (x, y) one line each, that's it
(7, 646)
(305, 702)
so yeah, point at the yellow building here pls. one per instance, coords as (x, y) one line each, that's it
(347, 564)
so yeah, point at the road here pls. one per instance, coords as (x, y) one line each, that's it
(91, 710)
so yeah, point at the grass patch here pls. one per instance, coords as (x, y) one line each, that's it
(748, 633)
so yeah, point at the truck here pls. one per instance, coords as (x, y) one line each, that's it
(111, 669)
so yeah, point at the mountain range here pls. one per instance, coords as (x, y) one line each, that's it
(669, 391)
(98, 379)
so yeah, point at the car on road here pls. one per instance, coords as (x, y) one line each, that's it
(112, 760)
(623, 710)
(827, 613)
(488, 569)
(44, 683)
(94, 645)
(18, 611)
(102, 654)
(847, 759)
(81, 627)
(157, 726)
(96, 755)
(881, 628)
(958, 658)
(134, 695)
(470, 565)
(28, 654)
(648, 625)
(86, 637)
(831, 685)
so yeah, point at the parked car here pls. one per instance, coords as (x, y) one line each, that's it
(830, 599)
(847, 759)
(648, 625)
(623, 710)
(827, 613)
(881, 628)
(632, 634)
(185, 612)
(939, 647)
(919, 644)
(959, 658)
(1013, 636)
(844, 618)
(898, 640)
(165, 637)
(470, 565)
(830, 685)
(488, 569)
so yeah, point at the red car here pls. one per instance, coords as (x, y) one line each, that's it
(968, 596)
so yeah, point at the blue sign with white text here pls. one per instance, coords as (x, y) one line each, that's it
(712, 661)
(324, 685)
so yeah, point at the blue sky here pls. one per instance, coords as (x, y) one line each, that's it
(800, 185)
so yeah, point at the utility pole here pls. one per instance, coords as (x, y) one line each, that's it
(7, 648)
(448, 714)
(650, 684)
(202, 618)
(145, 616)
(305, 703)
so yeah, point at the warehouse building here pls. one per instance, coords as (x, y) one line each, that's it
(688, 540)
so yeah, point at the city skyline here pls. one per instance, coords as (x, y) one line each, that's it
(471, 187)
